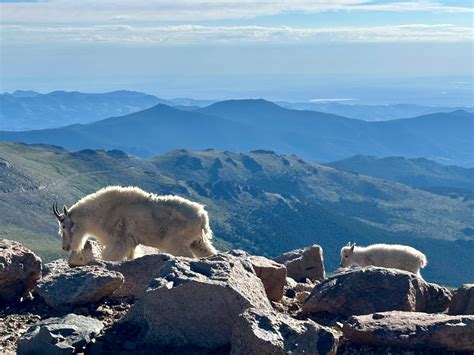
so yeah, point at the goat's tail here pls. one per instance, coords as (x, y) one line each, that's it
(203, 247)
(423, 260)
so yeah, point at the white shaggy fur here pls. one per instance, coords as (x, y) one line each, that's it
(121, 218)
(384, 255)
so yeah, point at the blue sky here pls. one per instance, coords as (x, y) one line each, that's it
(369, 51)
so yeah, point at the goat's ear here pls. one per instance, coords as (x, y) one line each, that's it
(66, 212)
(352, 246)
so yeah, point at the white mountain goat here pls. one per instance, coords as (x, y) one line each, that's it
(121, 218)
(384, 255)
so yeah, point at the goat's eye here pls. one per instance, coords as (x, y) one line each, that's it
(346, 256)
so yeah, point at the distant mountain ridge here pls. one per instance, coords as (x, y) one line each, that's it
(419, 172)
(372, 112)
(422, 173)
(260, 201)
(243, 125)
(25, 110)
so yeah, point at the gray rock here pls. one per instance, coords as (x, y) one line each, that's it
(66, 335)
(20, 268)
(272, 274)
(375, 289)
(55, 267)
(197, 302)
(268, 332)
(412, 330)
(463, 300)
(62, 288)
(304, 263)
(138, 273)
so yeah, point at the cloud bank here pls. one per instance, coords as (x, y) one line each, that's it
(195, 35)
(62, 11)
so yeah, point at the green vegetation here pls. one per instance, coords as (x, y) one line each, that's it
(260, 201)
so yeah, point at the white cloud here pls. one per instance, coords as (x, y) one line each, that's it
(319, 101)
(64, 11)
(193, 34)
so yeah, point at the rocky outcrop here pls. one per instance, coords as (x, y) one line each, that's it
(304, 263)
(197, 302)
(412, 330)
(229, 302)
(268, 332)
(463, 300)
(66, 335)
(137, 273)
(55, 267)
(63, 287)
(272, 274)
(19, 270)
(374, 289)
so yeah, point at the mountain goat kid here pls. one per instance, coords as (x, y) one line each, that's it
(121, 218)
(394, 256)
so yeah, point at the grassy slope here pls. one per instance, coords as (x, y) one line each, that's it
(261, 202)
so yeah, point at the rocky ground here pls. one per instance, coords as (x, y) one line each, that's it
(227, 303)
(16, 319)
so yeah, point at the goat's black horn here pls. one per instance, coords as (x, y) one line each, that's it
(55, 210)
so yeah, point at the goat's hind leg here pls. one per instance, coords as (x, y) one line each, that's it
(116, 252)
(182, 251)
(122, 249)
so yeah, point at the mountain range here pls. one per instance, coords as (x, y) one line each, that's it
(260, 201)
(25, 110)
(371, 112)
(421, 173)
(243, 125)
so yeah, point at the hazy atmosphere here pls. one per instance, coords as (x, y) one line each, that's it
(370, 52)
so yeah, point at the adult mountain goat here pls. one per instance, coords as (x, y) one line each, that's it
(121, 218)
(384, 255)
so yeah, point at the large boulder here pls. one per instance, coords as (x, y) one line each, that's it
(375, 289)
(66, 335)
(63, 287)
(19, 270)
(137, 273)
(412, 330)
(268, 332)
(195, 303)
(272, 274)
(463, 300)
(304, 263)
